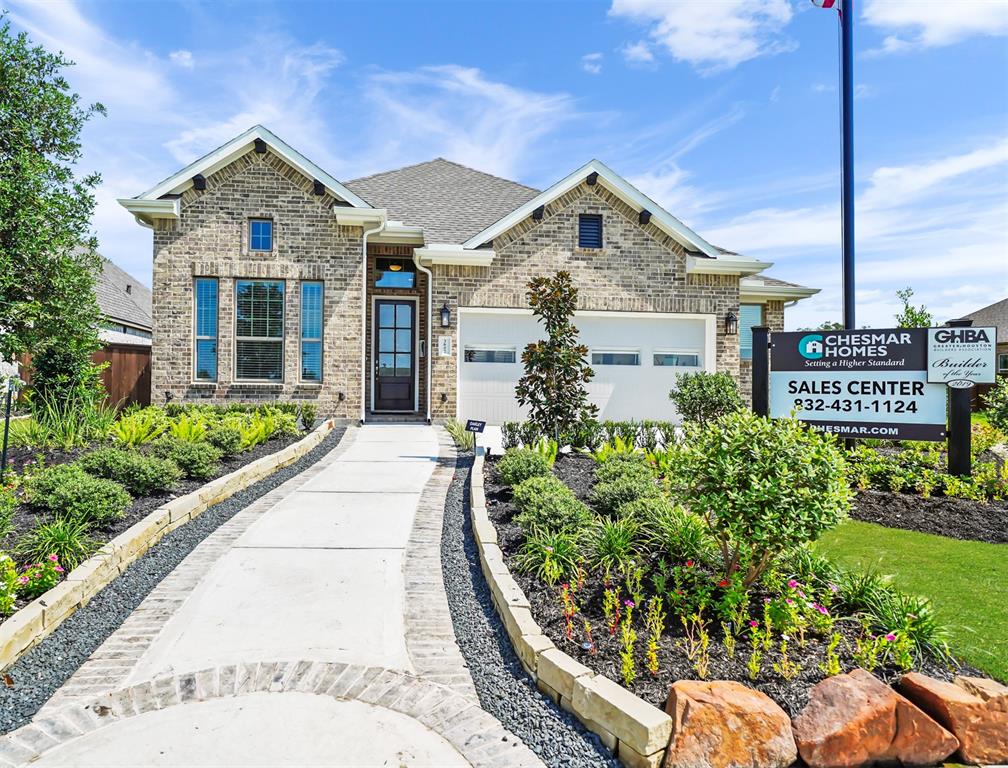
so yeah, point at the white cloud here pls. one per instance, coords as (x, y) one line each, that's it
(637, 53)
(182, 58)
(934, 24)
(775, 94)
(592, 63)
(712, 36)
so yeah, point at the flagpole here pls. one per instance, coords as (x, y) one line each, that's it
(847, 119)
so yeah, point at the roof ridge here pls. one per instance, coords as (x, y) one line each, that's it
(443, 160)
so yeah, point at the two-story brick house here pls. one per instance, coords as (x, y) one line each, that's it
(404, 292)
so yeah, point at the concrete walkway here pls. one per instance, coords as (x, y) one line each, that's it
(310, 629)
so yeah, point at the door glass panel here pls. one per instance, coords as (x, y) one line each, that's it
(402, 365)
(403, 340)
(386, 365)
(385, 338)
(404, 315)
(386, 315)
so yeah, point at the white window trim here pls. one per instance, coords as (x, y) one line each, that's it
(491, 348)
(1000, 368)
(667, 351)
(614, 351)
(283, 334)
(196, 338)
(302, 339)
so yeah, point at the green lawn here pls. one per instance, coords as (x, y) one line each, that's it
(966, 580)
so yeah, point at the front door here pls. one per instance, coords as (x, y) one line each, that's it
(394, 358)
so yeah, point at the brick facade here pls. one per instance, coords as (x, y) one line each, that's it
(639, 268)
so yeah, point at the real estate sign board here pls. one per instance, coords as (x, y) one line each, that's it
(868, 383)
(961, 356)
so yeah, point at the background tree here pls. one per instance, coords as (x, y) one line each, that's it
(911, 316)
(48, 257)
(556, 369)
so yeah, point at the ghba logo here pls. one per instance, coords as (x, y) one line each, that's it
(811, 347)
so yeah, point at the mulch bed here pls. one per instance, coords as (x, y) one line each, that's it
(955, 518)
(792, 695)
(26, 519)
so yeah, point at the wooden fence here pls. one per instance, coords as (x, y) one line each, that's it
(127, 378)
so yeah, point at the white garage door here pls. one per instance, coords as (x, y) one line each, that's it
(636, 357)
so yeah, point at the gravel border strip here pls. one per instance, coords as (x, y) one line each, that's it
(40, 672)
(503, 688)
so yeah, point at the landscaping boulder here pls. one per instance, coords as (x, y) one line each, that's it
(975, 710)
(724, 724)
(856, 720)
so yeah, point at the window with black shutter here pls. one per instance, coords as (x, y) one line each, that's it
(590, 230)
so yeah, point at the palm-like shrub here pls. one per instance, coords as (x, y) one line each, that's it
(613, 545)
(550, 555)
(65, 537)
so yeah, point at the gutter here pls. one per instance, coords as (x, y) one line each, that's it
(359, 217)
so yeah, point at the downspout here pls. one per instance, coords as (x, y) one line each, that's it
(364, 329)
(430, 328)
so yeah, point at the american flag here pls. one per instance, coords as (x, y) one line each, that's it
(827, 4)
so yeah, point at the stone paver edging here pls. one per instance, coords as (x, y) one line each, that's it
(430, 636)
(456, 717)
(637, 732)
(33, 622)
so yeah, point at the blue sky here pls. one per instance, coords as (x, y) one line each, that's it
(725, 111)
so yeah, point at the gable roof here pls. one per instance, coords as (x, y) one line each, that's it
(122, 297)
(995, 314)
(451, 202)
(232, 150)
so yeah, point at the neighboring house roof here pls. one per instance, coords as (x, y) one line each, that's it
(450, 201)
(765, 288)
(995, 314)
(122, 297)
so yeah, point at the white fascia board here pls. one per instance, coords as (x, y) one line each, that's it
(238, 146)
(152, 209)
(725, 265)
(450, 253)
(761, 292)
(618, 185)
(397, 232)
(356, 217)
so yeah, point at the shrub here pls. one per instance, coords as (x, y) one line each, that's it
(669, 530)
(703, 397)
(624, 465)
(519, 464)
(545, 504)
(463, 438)
(66, 538)
(612, 544)
(996, 404)
(68, 491)
(550, 555)
(8, 502)
(609, 496)
(510, 431)
(139, 427)
(764, 486)
(556, 370)
(38, 578)
(225, 438)
(548, 449)
(308, 412)
(198, 461)
(140, 475)
(586, 434)
(912, 617)
(8, 584)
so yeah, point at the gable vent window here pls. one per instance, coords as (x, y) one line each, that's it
(590, 230)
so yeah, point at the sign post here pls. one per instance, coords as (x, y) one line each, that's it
(9, 381)
(476, 427)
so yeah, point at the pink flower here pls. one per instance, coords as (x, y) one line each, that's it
(753, 623)
(23, 580)
(821, 608)
(53, 558)
(789, 601)
(834, 588)
(890, 637)
(58, 569)
(792, 583)
(800, 593)
(628, 603)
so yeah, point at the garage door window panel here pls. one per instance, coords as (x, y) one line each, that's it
(615, 357)
(673, 359)
(489, 354)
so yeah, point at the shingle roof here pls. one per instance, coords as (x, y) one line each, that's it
(995, 314)
(122, 297)
(450, 201)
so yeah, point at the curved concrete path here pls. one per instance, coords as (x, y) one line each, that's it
(310, 629)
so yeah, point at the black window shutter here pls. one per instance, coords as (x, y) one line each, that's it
(589, 230)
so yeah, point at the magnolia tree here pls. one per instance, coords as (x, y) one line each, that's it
(556, 368)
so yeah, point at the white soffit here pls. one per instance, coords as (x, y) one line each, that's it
(447, 253)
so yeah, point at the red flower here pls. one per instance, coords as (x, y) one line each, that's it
(689, 563)
(723, 583)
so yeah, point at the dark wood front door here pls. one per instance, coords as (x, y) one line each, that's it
(394, 355)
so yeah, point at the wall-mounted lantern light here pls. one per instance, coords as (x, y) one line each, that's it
(731, 324)
(445, 315)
